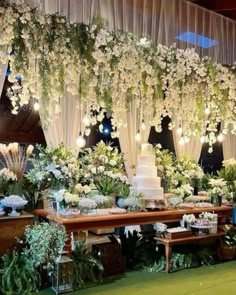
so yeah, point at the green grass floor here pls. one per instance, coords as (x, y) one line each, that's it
(214, 280)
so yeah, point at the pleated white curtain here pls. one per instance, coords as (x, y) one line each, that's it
(66, 125)
(129, 146)
(193, 148)
(3, 68)
(229, 146)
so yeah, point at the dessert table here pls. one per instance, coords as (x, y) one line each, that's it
(84, 222)
(87, 222)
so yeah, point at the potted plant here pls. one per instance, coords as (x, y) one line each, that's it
(228, 173)
(227, 249)
(218, 191)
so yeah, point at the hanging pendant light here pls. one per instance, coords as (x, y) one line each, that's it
(143, 126)
(179, 130)
(80, 141)
(36, 106)
(138, 136)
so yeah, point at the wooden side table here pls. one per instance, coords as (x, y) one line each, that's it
(12, 228)
(168, 243)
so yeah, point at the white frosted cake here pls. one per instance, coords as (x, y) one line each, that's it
(146, 180)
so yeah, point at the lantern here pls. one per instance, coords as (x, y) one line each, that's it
(62, 276)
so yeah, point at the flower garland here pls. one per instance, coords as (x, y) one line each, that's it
(107, 70)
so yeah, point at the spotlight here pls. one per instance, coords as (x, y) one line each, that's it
(106, 131)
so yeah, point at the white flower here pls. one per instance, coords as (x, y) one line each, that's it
(94, 170)
(101, 169)
(112, 163)
(219, 182)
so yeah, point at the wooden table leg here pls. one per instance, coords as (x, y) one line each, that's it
(168, 252)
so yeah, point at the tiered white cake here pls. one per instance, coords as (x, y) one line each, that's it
(146, 180)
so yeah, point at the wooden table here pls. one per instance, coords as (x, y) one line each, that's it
(117, 220)
(168, 243)
(12, 227)
(83, 222)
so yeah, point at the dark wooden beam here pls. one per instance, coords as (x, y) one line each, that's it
(22, 137)
(218, 5)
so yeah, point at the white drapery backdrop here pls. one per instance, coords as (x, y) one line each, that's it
(229, 146)
(66, 125)
(129, 145)
(192, 148)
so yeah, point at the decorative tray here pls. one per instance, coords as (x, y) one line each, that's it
(178, 233)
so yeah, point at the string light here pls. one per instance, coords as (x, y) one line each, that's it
(80, 141)
(36, 106)
(143, 126)
(138, 136)
(220, 137)
(86, 120)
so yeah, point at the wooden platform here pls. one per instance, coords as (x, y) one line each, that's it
(168, 243)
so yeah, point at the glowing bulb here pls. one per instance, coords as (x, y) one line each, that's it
(36, 106)
(207, 111)
(143, 127)
(182, 141)
(86, 120)
(202, 139)
(80, 141)
(179, 131)
(220, 137)
(138, 136)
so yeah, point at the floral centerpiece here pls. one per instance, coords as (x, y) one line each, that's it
(104, 167)
(228, 173)
(188, 171)
(165, 167)
(134, 202)
(217, 191)
(54, 168)
(185, 190)
(188, 219)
